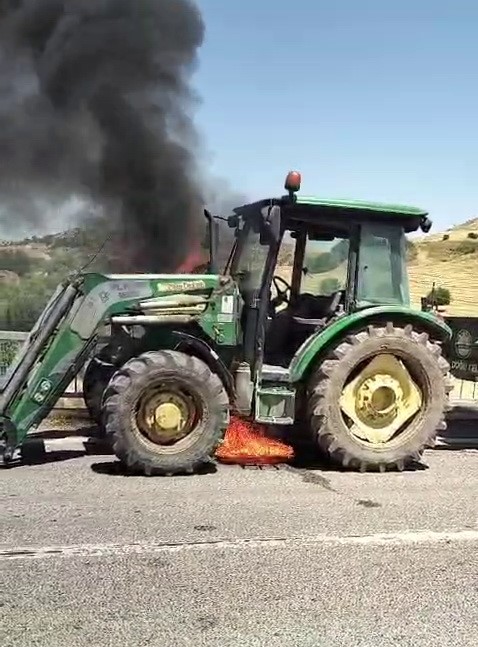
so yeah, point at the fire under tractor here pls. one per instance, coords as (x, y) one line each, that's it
(323, 343)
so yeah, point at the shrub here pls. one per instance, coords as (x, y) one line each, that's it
(466, 247)
(7, 352)
(15, 261)
(472, 235)
(446, 237)
(439, 296)
(326, 261)
(319, 263)
(329, 285)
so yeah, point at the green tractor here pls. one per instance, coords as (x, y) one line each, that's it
(309, 327)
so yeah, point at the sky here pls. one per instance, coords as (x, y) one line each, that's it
(369, 99)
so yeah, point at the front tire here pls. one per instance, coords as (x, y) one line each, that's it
(97, 376)
(343, 435)
(166, 413)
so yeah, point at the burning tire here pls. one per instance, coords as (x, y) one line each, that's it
(376, 402)
(166, 413)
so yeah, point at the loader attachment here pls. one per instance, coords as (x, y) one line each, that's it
(43, 368)
(57, 347)
(68, 329)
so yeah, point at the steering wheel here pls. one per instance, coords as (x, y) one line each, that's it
(282, 294)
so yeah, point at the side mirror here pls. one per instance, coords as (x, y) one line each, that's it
(233, 221)
(426, 225)
(271, 224)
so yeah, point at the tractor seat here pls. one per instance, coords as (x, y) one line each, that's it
(316, 308)
(312, 324)
(290, 327)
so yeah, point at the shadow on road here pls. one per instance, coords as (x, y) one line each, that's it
(50, 457)
(63, 444)
(323, 465)
(115, 468)
(58, 445)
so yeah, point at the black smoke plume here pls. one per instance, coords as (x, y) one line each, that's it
(95, 102)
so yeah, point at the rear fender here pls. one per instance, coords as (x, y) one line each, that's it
(319, 343)
(200, 349)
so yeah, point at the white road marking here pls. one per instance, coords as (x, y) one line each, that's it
(141, 548)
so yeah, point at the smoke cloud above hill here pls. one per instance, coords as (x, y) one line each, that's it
(96, 102)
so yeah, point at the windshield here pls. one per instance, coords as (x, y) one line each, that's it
(248, 266)
(382, 274)
(325, 266)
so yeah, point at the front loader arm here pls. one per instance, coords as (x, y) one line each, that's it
(56, 350)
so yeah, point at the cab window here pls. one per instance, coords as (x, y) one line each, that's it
(325, 266)
(250, 260)
(382, 273)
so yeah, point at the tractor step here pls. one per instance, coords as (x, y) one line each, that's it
(275, 404)
(275, 397)
(272, 373)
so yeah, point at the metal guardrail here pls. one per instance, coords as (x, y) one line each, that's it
(465, 391)
(10, 343)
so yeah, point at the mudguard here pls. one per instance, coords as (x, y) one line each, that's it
(315, 345)
(203, 351)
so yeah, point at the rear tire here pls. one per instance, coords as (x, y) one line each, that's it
(429, 370)
(141, 446)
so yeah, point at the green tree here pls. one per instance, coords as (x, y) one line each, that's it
(15, 261)
(326, 261)
(21, 305)
(466, 247)
(439, 296)
(329, 285)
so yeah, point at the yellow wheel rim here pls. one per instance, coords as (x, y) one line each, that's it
(380, 400)
(165, 416)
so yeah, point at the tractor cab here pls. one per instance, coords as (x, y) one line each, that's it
(302, 262)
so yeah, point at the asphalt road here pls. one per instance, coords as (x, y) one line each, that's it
(89, 557)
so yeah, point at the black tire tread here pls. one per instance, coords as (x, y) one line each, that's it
(325, 437)
(156, 464)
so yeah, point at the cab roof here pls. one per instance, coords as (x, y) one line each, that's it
(325, 212)
(347, 208)
(361, 205)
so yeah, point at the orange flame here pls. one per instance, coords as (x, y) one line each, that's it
(246, 444)
(194, 260)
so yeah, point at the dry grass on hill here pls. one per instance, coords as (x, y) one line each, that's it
(450, 260)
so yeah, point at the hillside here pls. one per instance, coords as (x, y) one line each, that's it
(450, 260)
(35, 266)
